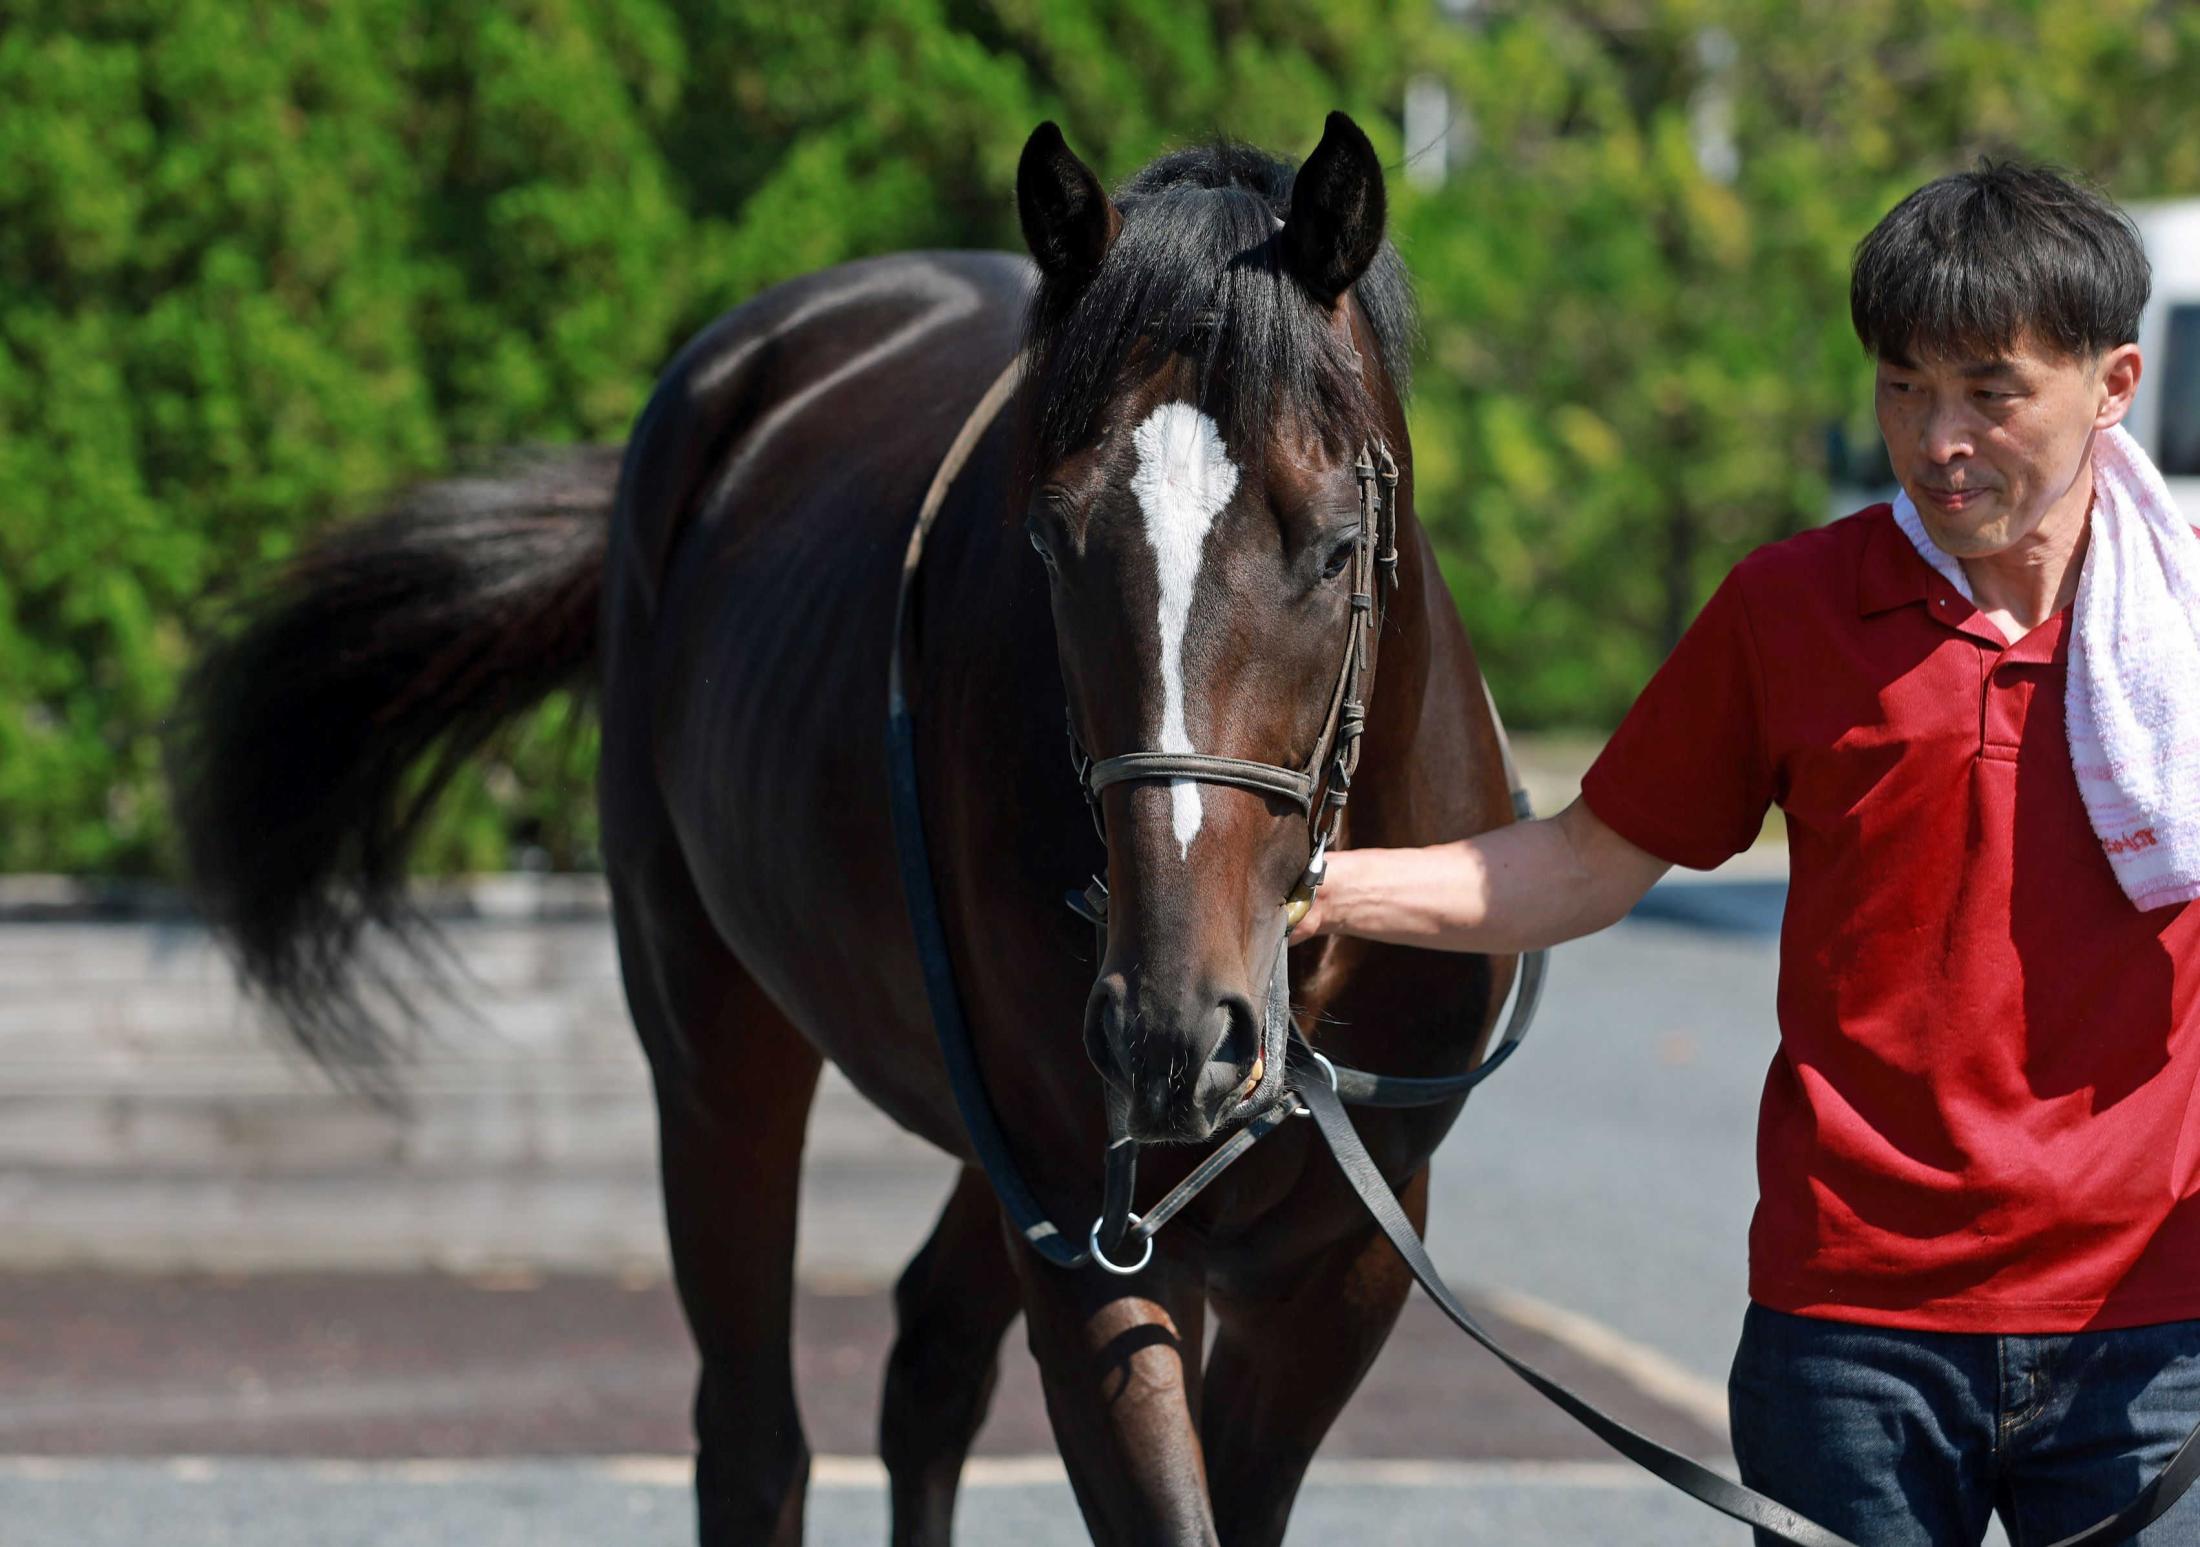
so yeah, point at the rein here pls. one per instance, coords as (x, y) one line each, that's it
(1321, 1089)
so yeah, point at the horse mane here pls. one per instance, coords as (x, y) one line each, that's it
(1197, 269)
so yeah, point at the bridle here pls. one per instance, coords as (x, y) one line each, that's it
(1320, 1088)
(1327, 774)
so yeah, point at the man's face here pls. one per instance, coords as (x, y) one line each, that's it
(1986, 447)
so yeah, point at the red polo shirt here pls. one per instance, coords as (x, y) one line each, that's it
(1981, 1116)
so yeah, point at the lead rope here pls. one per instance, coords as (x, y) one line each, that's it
(1691, 1477)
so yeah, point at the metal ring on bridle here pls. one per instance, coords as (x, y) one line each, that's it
(1327, 1068)
(1092, 1245)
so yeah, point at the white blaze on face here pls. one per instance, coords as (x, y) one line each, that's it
(1183, 479)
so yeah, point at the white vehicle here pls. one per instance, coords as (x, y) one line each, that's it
(2165, 416)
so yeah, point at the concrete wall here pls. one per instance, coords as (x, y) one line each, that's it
(149, 1118)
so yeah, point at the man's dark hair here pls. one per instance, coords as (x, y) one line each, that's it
(1973, 262)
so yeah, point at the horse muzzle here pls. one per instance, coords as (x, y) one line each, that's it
(1190, 1064)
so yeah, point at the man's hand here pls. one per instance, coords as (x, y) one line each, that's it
(1320, 917)
(1519, 888)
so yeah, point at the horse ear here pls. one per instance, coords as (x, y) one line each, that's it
(1336, 222)
(1069, 222)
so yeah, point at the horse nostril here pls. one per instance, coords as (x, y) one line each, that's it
(1234, 1061)
(1181, 1067)
(1104, 1030)
(1240, 1040)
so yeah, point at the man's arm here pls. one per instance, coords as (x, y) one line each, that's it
(1517, 888)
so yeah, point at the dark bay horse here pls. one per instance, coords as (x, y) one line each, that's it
(1206, 351)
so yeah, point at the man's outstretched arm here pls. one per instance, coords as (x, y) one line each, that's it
(1517, 888)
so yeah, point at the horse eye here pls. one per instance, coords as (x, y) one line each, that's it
(1339, 559)
(1046, 554)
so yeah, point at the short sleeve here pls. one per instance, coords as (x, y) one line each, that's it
(1687, 776)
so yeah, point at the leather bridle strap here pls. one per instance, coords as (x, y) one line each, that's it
(906, 807)
(1361, 1088)
(1267, 778)
(935, 495)
(2154, 1500)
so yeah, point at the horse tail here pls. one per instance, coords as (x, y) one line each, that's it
(309, 743)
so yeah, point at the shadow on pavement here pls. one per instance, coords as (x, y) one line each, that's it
(1724, 907)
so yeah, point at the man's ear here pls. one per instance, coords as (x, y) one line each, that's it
(2119, 379)
(1337, 204)
(1069, 222)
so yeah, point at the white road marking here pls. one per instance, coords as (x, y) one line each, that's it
(836, 1472)
(1183, 479)
(1648, 1371)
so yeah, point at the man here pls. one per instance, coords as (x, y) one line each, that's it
(1975, 1261)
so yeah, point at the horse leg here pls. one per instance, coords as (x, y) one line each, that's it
(952, 1305)
(730, 1182)
(734, 1080)
(1291, 1345)
(1119, 1361)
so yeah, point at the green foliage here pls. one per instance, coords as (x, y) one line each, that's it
(262, 261)
(1633, 364)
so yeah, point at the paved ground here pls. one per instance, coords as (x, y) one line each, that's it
(413, 1366)
(548, 1504)
(1594, 1199)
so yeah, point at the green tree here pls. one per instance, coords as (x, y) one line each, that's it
(1635, 351)
(260, 263)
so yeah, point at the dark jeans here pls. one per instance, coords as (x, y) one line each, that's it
(1911, 1439)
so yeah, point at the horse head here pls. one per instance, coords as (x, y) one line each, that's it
(1215, 353)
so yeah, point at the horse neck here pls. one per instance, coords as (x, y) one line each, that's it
(1431, 763)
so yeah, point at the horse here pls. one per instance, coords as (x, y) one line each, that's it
(1204, 354)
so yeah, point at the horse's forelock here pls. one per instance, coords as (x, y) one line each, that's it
(1197, 271)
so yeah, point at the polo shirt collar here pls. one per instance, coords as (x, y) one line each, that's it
(1893, 574)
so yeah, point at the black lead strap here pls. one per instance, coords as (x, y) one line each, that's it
(1691, 1477)
(947, 1017)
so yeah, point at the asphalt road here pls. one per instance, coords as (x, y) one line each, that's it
(1594, 1199)
(401, 1366)
(548, 1504)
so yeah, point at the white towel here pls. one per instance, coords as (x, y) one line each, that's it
(2131, 702)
